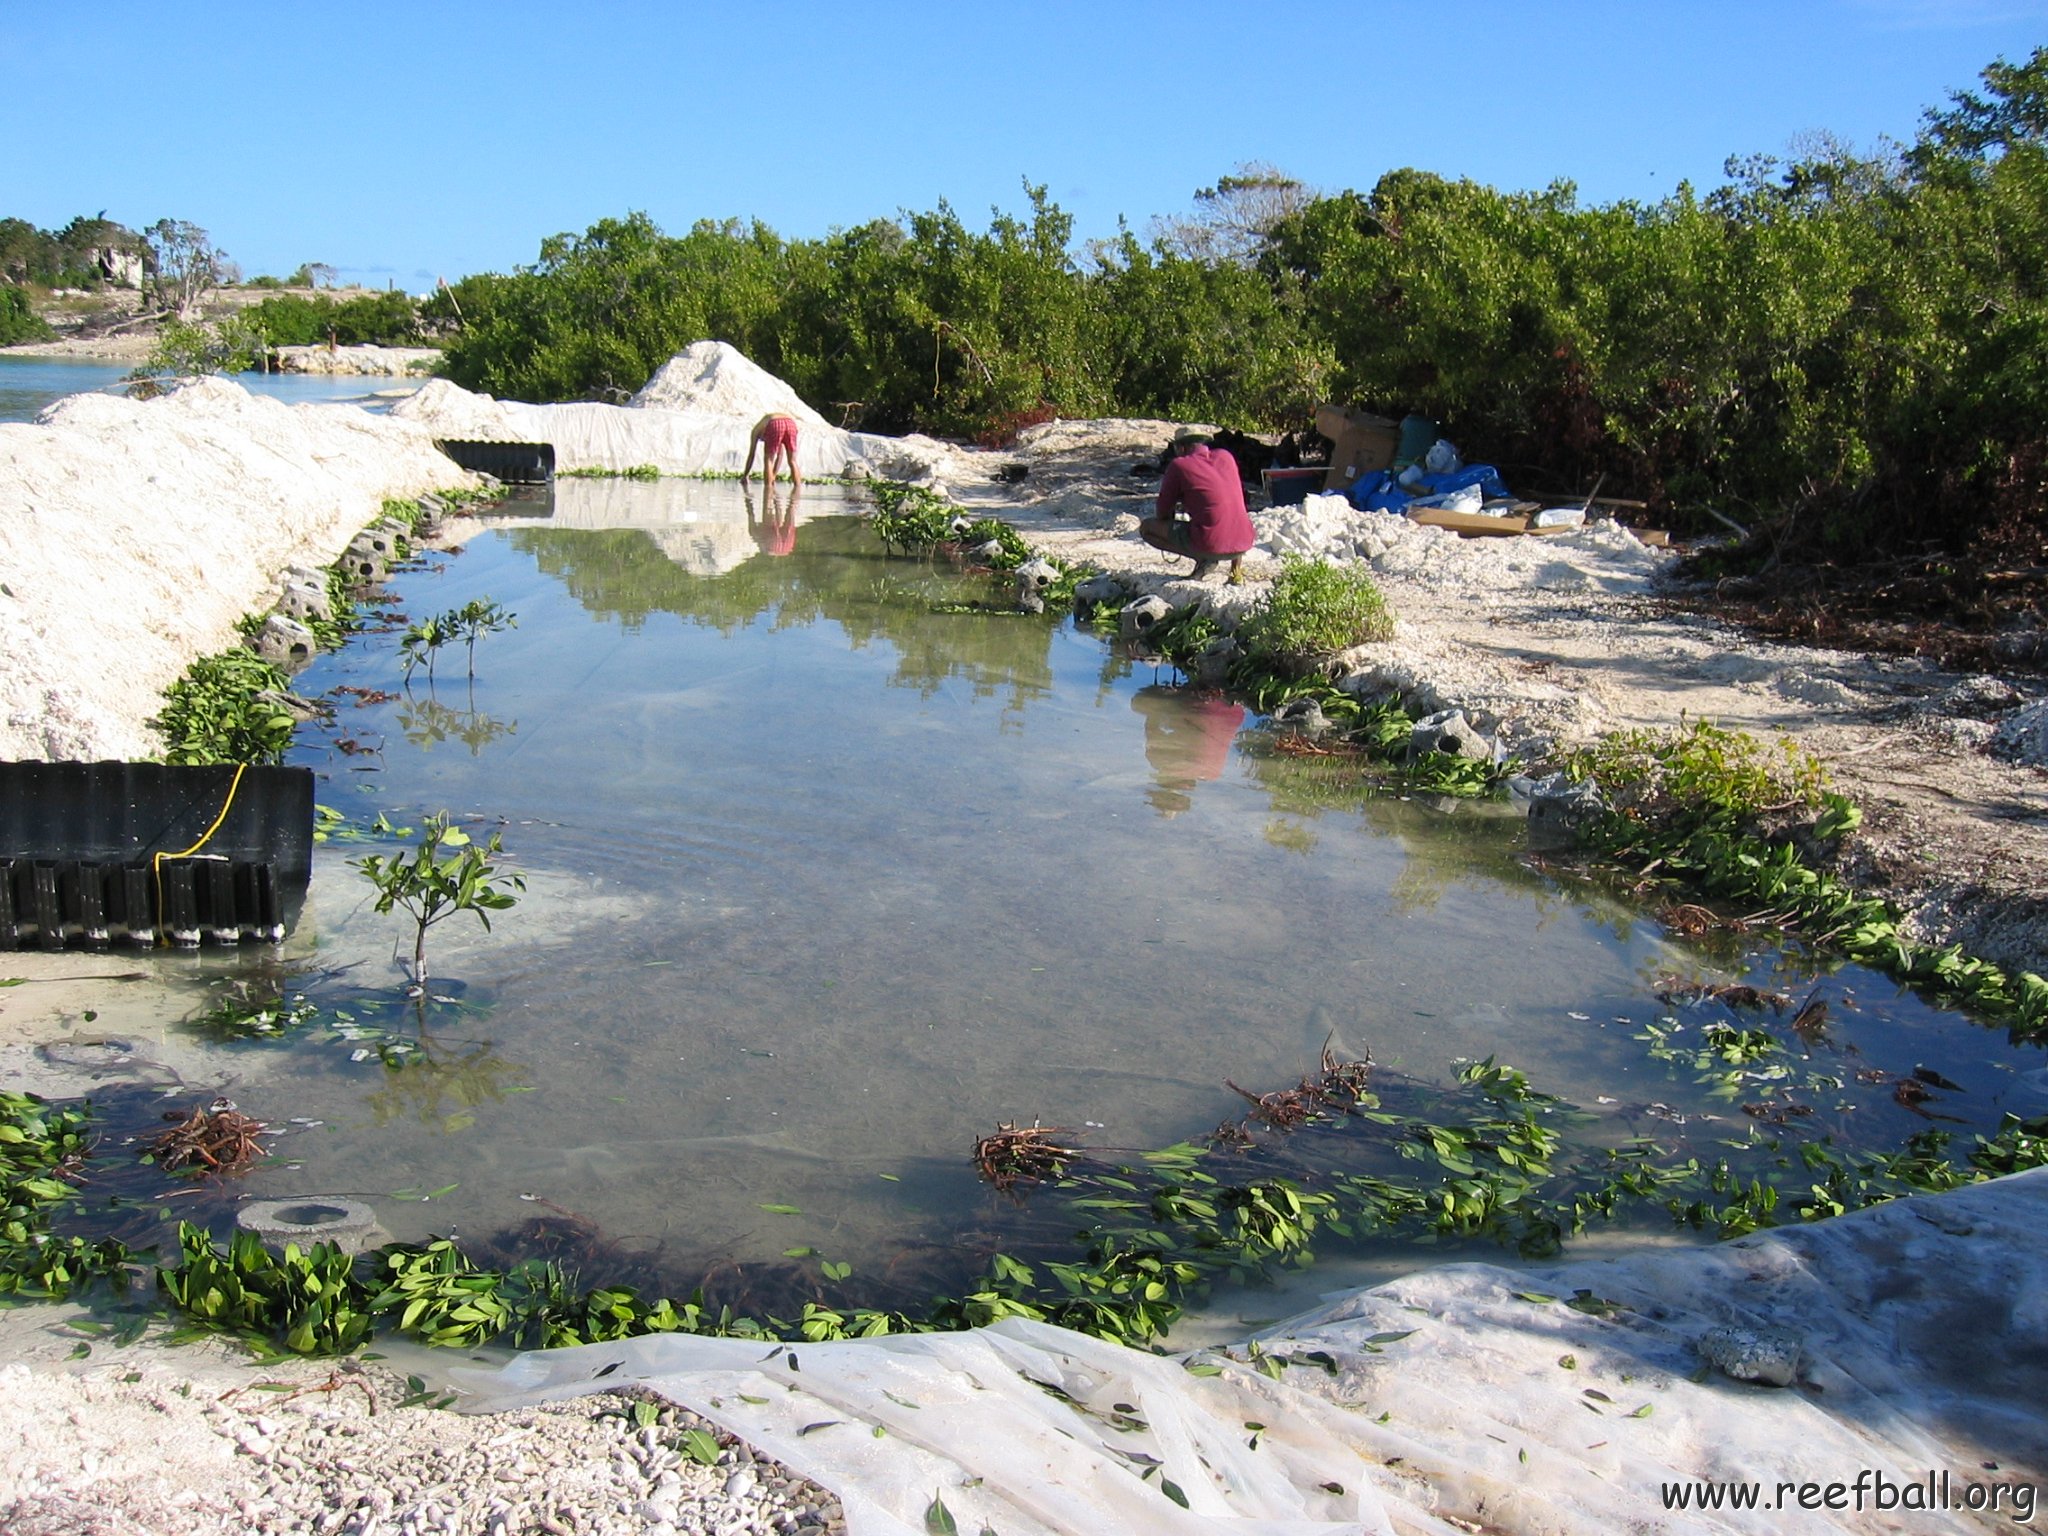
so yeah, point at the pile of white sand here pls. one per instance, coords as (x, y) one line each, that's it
(693, 418)
(1600, 559)
(718, 379)
(133, 534)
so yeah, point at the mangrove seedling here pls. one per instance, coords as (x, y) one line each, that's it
(469, 624)
(446, 873)
(475, 619)
(421, 641)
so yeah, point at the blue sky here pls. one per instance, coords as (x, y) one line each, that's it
(400, 141)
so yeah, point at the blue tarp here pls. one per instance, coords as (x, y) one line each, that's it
(1380, 492)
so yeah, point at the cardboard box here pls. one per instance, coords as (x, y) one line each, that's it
(1362, 443)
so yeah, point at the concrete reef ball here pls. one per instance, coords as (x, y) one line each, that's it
(307, 1219)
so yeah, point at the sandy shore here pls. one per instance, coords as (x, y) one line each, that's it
(130, 347)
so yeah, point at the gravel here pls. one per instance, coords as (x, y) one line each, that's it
(310, 1449)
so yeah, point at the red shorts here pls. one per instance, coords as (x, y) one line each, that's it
(779, 433)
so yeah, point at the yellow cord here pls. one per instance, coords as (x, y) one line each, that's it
(163, 933)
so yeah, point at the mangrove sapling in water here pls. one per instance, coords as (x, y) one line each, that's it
(477, 618)
(421, 641)
(469, 623)
(446, 874)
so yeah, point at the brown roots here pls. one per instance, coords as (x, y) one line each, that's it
(1022, 1154)
(217, 1139)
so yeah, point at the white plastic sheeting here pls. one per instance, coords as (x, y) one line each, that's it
(968, 1420)
(1463, 1397)
(692, 418)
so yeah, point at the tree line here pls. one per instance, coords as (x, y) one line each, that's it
(1851, 340)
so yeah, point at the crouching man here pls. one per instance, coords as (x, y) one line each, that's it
(1201, 511)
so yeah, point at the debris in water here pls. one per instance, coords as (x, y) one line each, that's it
(1335, 1085)
(1736, 995)
(1022, 1154)
(219, 1139)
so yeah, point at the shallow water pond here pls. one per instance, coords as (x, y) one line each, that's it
(824, 881)
(29, 384)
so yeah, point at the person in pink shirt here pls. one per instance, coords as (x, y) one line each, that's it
(1201, 511)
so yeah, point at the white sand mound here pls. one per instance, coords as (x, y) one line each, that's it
(693, 418)
(716, 378)
(1598, 558)
(133, 535)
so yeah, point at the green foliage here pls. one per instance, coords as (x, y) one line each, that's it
(993, 530)
(1313, 610)
(263, 1016)
(18, 319)
(919, 323)
(1723, 813)
(63, 258)
(447, 873)
(186, 349)
(1701, 775)
(309, 1302)
(215, 712)
(39, 1142)
(388, 319)
(910, 518)
(646, 472)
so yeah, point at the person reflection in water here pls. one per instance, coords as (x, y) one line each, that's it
(775, 529)
(1187, 742)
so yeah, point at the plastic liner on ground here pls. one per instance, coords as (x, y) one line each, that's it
(1574, 1398)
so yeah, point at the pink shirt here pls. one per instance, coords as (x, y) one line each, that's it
(1204, 482)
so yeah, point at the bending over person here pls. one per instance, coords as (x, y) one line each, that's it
(1201, 511)
(774, 433)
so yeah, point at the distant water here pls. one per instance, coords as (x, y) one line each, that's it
(28, 384)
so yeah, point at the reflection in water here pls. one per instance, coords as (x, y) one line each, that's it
(444, 1083)
(701, 527)
(428, 722)
(1187, 742)
(775, 531)
(839, 576)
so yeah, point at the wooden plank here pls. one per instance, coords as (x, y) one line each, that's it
(1470, 524)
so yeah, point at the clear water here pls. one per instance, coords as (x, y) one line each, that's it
(823, 884)
(28, 384)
